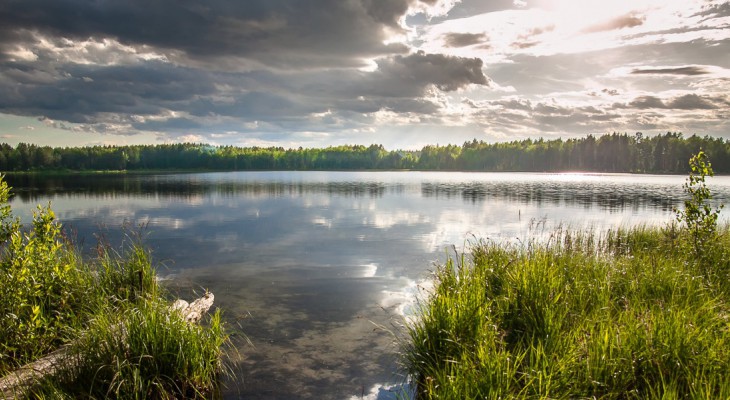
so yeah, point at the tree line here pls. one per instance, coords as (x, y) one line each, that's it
(667, 153)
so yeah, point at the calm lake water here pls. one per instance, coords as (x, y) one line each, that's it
(318, 269)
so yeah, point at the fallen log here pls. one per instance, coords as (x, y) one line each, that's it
(14, 384)
(193, 312)
(17, 382)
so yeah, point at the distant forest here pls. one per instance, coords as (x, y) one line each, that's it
(666, 153)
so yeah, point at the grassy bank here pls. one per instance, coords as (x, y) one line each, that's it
(640, 313)
(110, 311)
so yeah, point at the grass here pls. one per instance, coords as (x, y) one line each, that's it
(110, 311)
(142, 351)
(628, 314)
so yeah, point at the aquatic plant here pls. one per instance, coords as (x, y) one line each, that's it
(625, 314)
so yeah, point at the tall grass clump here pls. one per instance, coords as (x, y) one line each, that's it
(626, 314)
(143, 351)
(123, 339)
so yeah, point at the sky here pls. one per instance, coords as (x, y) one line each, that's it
(318, 73)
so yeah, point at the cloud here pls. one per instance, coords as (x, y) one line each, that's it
(621, 22)
(530, 38)
(518, 116)
(155, 96)
(692, 102)
(332, 32)
(715, 11)
(644, 102)
(144, 89)
(323, 71)
(412, 73)
(468, 8)
(177, 124)
(690, 70)
(514, 104)
(524, 44)
(465, 39)
(689, 101)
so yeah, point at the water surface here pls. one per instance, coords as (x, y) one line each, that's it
(318, 268)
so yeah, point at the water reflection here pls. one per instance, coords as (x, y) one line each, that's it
(610, 192)
(606, 196)
(318, 268)
(31, 188)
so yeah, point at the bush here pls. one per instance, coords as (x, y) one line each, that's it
(43, 289)
(125, 341)
(698, 216)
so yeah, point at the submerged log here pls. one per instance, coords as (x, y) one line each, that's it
(16, 383)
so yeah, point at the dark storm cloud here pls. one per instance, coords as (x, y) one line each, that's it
(464, 39)
(448, 73)
(281, 68)
(132, 94)
(79, 93)
(398, 84)
(413, 72)
(624, 21)
(271, 31)
(688, 70)
(257, 105)
(81, 63)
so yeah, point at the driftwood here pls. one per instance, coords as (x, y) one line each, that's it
(193, 312)
(14, 384)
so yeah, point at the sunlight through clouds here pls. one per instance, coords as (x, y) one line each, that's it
(400, 73)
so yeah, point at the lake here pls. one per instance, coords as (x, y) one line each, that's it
(318, 269)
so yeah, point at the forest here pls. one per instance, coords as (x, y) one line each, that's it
(637, 153)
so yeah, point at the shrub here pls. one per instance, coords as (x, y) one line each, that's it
(43, 289)
(698, 216)
(125, 341)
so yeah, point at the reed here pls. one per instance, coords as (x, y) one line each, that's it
(141, 351)
(630, 313)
